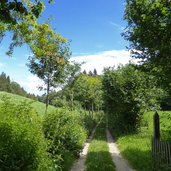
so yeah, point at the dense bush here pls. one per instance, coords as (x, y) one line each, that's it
(29, 141)
(22, 144)
(65, 133)
(128, 92)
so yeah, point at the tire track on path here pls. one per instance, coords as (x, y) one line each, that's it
(79, 164)
(120, 163)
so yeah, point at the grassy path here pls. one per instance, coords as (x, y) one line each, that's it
(98, 157)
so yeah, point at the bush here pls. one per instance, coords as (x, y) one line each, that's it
(22, 145)
(65, 133)
(90, 120)
(128, 92)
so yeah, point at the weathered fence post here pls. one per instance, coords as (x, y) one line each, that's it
(156, 126)
(161, 150)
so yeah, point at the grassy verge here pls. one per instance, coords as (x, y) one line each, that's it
(98, 157)
(136, 148)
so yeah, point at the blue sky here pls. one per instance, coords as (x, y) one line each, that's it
(94, 28)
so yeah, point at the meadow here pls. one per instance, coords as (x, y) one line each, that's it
(38, 106)
(136, 148)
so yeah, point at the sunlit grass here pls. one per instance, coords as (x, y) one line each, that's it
(136, 148)
(38, 106)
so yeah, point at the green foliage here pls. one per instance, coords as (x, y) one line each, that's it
(127, 93)
(20, 18)
(9, 10)
(88, 91)
(50, 58)
(22, 144)
(65, 133)
(149, 28)
(89, 120)
(27, 143)
(149, 32)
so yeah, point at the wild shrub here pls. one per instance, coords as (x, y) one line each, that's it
(90, 120)
(65, 133)
(22, 145)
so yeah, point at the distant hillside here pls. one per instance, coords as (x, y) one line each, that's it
(12, 87)
(39, 107)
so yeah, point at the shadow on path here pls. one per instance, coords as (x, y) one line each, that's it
(79, 164)
(120, 163)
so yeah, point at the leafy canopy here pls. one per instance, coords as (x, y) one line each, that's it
(128, 92)
(149, 30)
(20, 18)
(88, 90)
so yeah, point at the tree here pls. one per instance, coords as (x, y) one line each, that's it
(95, 72)
(88, 91)
(20, 18)
(10, 86)
(90, 73)
(84, 72)
(50, 71)
(50, 58)
(128, 92)
(149, 31)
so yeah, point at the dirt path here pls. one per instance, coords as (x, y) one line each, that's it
(79, 164)
(120, 163)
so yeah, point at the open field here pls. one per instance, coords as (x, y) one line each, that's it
(38, 106)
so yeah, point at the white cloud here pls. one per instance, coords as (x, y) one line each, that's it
(103, 59)
(31, 84)
(95, 60)
(117, 25)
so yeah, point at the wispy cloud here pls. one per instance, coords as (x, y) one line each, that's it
(117, 25)
(95, 60)
(22, 65)
(2, 65)
(103, 59)
(31, 84)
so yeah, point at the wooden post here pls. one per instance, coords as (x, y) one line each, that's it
(156, 126)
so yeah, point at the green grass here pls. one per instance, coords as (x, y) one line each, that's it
(98, 157)
(38, 106)
(165, 123)
(136, 148)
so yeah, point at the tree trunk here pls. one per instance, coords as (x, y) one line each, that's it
(47, 97)
(72, 100)
(92, 109)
